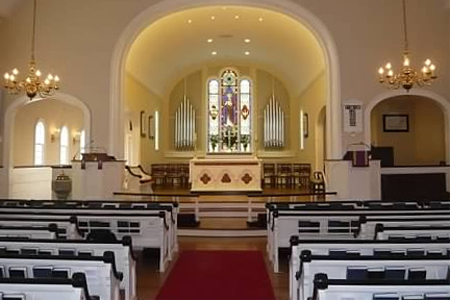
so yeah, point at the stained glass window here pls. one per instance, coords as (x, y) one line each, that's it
(229, 107)
(39, 143)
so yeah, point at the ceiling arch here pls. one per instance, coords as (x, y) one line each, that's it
(237, 35)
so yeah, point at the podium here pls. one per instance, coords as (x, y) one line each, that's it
(358, 154)
(96, 176)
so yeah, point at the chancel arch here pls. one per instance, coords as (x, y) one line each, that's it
(156, 13)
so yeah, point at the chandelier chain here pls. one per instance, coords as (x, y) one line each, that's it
(405, 29)
(33, 38)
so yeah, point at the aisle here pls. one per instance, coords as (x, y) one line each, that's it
(221, 275)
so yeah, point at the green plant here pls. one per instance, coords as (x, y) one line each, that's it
(245, 140)
(214, 139)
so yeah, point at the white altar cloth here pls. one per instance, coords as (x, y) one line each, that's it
(225, 174)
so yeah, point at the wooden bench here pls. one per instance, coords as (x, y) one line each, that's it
(364, 247)
(110, 208)
(328, 224)
(68, 228)
(123, 253)
(423, 232)
(368, 224)
(355, 267)
(102, 277)
(74, 288)
(338, 289)
(50, 231)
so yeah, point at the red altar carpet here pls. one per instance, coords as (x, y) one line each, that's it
(218, 275)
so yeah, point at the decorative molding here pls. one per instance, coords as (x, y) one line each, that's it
(179, 154)
(276, 154)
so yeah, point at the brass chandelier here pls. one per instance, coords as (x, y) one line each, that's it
(408, 76)
(32, 85)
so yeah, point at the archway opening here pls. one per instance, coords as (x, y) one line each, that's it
(173, 58)
(409, 130)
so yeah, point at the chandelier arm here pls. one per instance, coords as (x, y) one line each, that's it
(405, 31)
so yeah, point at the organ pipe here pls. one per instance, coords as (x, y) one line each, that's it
(274, 134)
(185, 126)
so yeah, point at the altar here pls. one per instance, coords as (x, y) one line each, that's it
(225, 174)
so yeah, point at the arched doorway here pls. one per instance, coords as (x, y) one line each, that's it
(422, 118)
(23, 102)
(156, 12)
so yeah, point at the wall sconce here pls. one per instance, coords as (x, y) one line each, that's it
(76, 137)
(54, 135)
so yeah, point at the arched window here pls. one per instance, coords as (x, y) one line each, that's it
(83, 141)
(64, 146)
(39, 143)
(229, 107)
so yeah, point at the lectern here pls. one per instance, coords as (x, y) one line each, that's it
(97, 176)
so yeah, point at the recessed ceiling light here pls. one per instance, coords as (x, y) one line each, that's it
(213, 18)
(189, 21)
(210, 40)
(260, 19)
(236, 17)
(247, 52)
(214, 53)
(224, 7)
(247, 40)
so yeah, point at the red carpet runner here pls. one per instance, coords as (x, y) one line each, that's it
(218, 275)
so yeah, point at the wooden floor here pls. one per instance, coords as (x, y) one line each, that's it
(150, 280)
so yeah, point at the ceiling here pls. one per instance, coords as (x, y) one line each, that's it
(173, 46)
(7, 7)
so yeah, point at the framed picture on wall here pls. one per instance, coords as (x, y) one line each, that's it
(142, 124)
(396, 123)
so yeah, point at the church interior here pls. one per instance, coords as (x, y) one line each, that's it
(225, 149)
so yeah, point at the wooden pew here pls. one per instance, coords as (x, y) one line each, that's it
(367, 224)
(50, 231)
(328, 225)
(123, 253)
(102, 277)
(364, 247)
(68, 228)
(337, 289)
(354, 267)
(116, 210)
(74, 288)
(424, 232)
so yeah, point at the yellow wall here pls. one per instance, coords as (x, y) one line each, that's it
(196, 92)
(424, 143)
(55, 115)
(139, 98)
(311, 102)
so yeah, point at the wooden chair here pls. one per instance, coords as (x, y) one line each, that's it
(184, 174)
(284, 175)
(301, 174)
(269, 174)
(173, 174)
(159, 174)
(317, 183)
